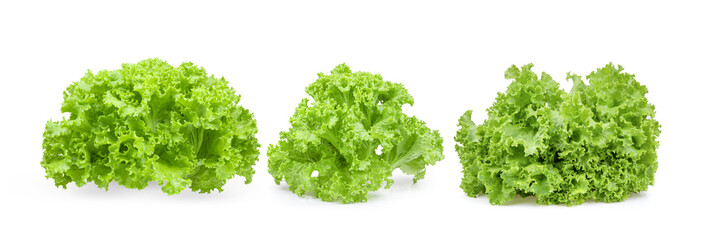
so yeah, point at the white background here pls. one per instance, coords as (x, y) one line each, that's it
(450, 55)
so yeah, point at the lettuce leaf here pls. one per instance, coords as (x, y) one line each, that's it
(351, 138)
(151, 122)
(597, 142)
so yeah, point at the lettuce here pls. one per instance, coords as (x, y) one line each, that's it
(151, 122)
(351, 138)
(597, 142)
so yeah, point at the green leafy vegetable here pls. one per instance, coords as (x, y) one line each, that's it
(332, 146)
(597, 142)
(151, 122)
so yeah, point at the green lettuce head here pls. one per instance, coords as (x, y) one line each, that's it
(351, 138)
(597, 142)
(151, 122)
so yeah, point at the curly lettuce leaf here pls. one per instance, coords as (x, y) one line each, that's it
(147, 122)
(597, 142)
(332, 146)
